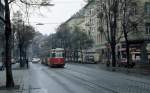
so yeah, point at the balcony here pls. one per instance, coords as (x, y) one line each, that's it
(138, 36)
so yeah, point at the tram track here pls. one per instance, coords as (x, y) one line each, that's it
(128, 79)
(86, 77)
(90, 81)
(86, 82)
(71, 78)
(145, 86)
(82, 79)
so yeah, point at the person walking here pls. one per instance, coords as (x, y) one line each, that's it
(3, 61)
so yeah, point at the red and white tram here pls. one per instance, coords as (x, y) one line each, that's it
(56, 57)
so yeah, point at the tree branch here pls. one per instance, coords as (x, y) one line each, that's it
(41, 4)
(11, 1)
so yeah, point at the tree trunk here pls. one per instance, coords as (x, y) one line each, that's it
(9, 76)
(113, 53)
(127, 44)
(81, 55)
(108, 57)
(125, 21)
(144, 54)
(20, 54)
(128, 54)
(113, 29)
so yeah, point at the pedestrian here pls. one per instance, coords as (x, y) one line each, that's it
(27, 63)
(3, 61)
(108, 63)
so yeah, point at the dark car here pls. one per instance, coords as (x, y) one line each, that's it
(89, 59)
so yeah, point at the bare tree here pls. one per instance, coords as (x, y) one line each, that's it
(130, 22)
(24, 34)
(8, 34)
(9, 77)
(110, 9)
(125, 25)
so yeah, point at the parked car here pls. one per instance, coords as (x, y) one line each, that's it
(13, 61)
(89, 59)
(35, 60)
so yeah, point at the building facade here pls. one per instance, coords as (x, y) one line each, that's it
(1, 27)
(94, 24)
(138, 35)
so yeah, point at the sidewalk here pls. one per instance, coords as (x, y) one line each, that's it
(19, 76)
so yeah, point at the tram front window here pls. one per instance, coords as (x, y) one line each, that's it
(53, 55)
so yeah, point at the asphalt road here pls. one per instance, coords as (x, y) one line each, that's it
(83, 78)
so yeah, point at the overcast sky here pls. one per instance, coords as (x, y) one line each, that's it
(52, 17)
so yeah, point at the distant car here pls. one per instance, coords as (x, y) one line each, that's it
(13, 61)
(35, 60)
(1, 66)
(89, 59)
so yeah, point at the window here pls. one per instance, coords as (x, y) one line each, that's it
(147, 26)
(147, 7)
(53, 55)
(133, 8)
(60, 54)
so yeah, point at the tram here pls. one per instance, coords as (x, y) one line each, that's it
(56, 57)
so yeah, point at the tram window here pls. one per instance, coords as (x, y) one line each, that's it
(49, 55)
(53, 55)
(63, 54)
(59, 54)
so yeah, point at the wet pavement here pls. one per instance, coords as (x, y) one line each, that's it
(82, 78)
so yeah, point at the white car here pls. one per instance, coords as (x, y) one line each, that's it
(35, 60)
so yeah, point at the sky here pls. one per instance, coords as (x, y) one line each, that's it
(53, 16)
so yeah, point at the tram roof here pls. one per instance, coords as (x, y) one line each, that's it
(56, 50)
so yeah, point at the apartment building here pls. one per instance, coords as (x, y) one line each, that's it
(138, 39)
(77, 20)
(1, 27)
(89, 18)
(138, 36)
(93, 24)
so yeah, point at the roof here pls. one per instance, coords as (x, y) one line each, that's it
(80, 13)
